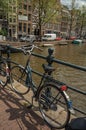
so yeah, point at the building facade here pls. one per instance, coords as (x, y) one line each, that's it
(12, 19)
(65, 22)
(22, 21)
(19, 18)
(24, 18)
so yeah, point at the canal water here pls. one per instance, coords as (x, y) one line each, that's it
(71, 53)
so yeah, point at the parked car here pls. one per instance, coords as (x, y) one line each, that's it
(22, 38)
(49, 37)
(58, 38)
(30, 38)
(72, 38)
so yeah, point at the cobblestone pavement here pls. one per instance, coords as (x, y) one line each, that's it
(14, 114)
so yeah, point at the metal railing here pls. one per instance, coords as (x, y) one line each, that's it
(50, 59)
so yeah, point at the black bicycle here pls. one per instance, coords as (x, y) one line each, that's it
(54, 103)
(5, 65)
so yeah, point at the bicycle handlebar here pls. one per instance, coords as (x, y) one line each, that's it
(25, 49)
(29, 49)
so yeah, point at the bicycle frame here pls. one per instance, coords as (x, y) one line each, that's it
(29, 79)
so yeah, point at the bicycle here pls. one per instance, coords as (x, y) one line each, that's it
(54, 103)
(4, 65)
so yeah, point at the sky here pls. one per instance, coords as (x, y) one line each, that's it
(78, 2)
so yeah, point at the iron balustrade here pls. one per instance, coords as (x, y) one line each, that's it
(50, 59)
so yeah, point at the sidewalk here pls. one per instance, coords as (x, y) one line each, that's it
(15, 116)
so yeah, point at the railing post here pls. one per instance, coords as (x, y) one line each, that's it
(50, 57)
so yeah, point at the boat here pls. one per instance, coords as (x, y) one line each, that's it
(62, 42)
(47, 45)
(77, 41)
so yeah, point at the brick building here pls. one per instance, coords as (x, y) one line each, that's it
(19, 18)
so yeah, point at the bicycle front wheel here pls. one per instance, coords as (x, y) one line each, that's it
(3, 74)
(53, 106)
(18, 76)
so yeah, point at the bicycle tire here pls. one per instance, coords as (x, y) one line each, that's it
(18, 76)
(3, 74)
(54, 111)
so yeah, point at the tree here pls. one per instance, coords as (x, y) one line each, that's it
(3, 5)
(3, 14)
(44, 11)
(81, 21)
(3, 32)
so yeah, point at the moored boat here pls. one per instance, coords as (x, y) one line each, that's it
(47, 45)
(77, 41)
(62, 42)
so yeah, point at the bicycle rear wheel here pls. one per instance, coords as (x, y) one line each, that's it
(18, 76)
(3, 74)
(53, 106)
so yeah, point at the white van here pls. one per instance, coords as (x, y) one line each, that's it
(49, 37)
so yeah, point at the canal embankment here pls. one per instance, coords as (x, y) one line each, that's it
(42, 43)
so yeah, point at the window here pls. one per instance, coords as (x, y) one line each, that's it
(10, 19)
(24, 27)
(29, 8)
(14, 9)
(29, 16)
(20, 6)
(20, 13)
(14, 29)
(25, 7)
(10, 8)
(20, 26)
(29, 28)
(14, 19)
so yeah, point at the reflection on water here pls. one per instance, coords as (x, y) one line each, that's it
(75, 54)
(72, 53)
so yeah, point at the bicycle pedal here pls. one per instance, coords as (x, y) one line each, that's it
(53, 107)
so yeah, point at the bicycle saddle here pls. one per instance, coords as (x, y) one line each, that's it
(48, 68)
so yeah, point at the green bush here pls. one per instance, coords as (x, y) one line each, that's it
(3, 32)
